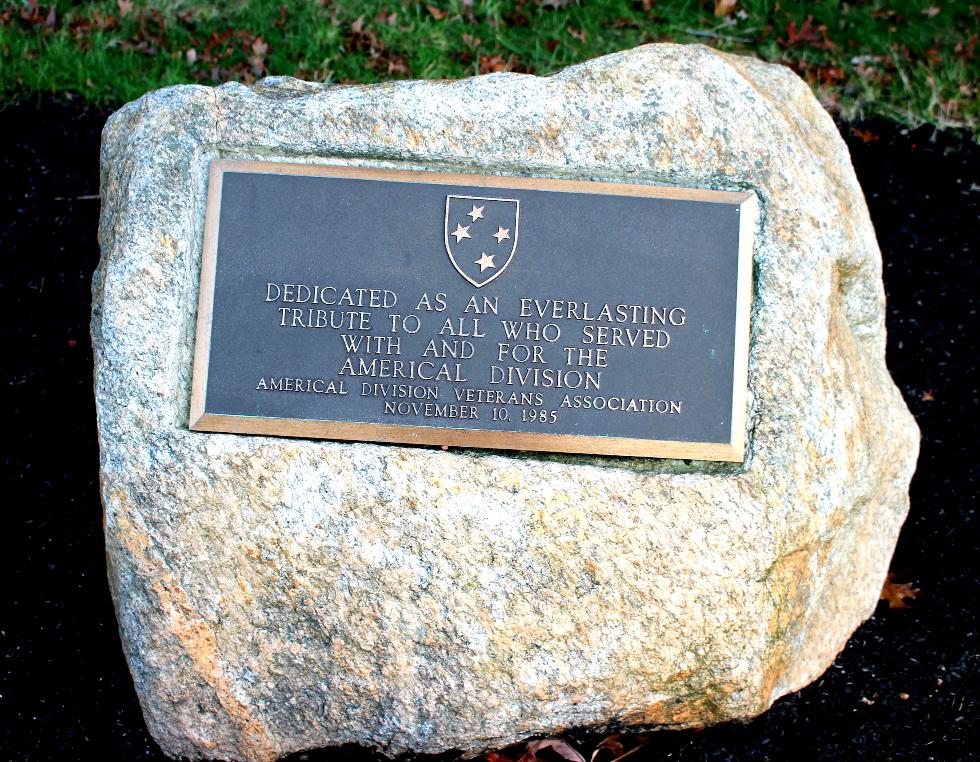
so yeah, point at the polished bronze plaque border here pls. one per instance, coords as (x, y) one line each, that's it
(733, 451)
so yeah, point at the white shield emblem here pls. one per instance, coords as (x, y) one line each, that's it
(481, 236)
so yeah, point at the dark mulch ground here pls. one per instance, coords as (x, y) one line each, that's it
(66, 693)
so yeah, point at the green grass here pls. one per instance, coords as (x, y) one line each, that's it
(914, 62)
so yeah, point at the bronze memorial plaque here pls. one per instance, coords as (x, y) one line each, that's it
(472, 310)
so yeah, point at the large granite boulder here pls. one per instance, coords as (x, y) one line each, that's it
(276, 595)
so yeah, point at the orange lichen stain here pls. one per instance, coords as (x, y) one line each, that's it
(786, 584)
(654, 714)
(169, 245)
(200, 644)
(680, 676)
(413, 137)
(551, 131)
(195, 635)
(688, 712)
(133, 538)
(777, 663)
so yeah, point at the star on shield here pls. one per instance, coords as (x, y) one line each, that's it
(481, 235)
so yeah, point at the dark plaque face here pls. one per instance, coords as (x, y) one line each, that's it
(504, 312)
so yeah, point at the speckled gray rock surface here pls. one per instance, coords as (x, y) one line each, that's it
(275, 595)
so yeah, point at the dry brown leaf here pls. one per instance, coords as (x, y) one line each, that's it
(634, 750)
(866, 136)
(611, 744)
(437, 14)
(490, 64)
(559, 747)
(725, 7)
(932, 10)
(125, 7)
(806, 33)
(397, 65)
(897, 593)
